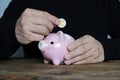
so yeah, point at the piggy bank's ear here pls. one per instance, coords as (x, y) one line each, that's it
(61, 36)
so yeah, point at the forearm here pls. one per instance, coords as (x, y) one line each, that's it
(8, 42)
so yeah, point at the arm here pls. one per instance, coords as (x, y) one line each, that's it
(112, 46)
(8, 42)
(24, 26)
(90, 50)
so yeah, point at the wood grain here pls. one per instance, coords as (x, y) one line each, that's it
(34, 69)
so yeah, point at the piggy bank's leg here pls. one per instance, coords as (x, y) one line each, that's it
(46, 61)
(56, 62)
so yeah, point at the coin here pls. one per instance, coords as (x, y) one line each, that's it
(62, 23)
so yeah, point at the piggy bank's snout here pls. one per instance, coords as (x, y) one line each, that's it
(42, 45)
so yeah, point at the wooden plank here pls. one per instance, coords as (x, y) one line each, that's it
(34, 69)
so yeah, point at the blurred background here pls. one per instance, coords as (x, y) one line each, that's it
(3, 5)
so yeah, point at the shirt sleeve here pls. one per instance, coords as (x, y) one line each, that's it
(112, 45)
(8, 41)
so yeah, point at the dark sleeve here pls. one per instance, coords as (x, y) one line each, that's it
(112, 46)
(8, 41)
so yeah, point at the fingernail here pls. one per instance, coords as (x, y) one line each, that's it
(70, 47)
(67, 62)
(57, 21)
(67, 57)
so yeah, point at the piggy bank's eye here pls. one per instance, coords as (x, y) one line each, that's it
(52, 42)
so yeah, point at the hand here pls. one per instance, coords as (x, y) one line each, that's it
(85, 50)
(33, 25)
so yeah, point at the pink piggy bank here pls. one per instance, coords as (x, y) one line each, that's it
(54, 47)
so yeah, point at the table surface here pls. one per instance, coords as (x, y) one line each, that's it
(34, 69)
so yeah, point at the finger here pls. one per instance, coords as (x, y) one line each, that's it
(43, 21)
(34, 37)
(93, 55)
(52, 18)
(80, 57)
(39, 29)
(79, 51)
(87, 61)
(27, 37)
(91, 59)
(38, 21)
(22, 39)
(81, 41)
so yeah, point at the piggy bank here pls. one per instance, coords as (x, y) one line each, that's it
(54, 47)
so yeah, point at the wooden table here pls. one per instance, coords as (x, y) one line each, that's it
(33, 69)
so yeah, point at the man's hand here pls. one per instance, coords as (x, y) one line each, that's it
(33, 25)
(85, 50)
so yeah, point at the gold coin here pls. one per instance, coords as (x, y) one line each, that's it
(62, 23)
